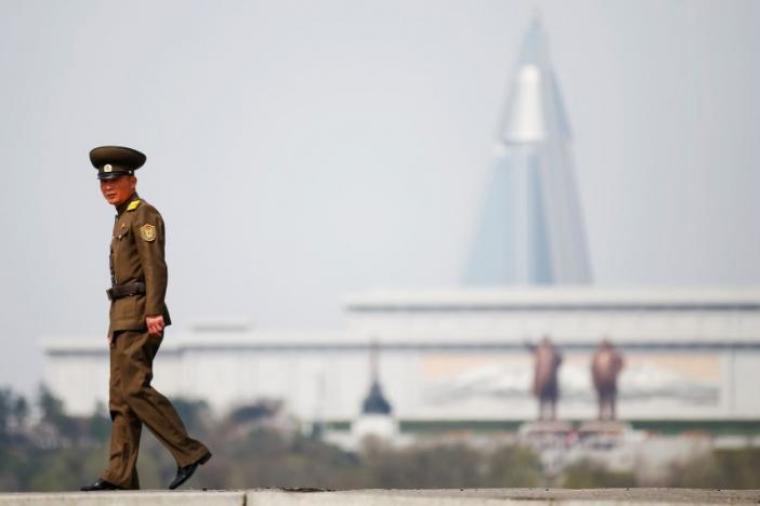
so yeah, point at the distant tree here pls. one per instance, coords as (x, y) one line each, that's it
(20, 411)
(739, 469)
(257, 447)
(728, 469)
(50, 406)
(99, 427)
(261, 409)
(14, 411)
(514, 466)
(61, 469)
(444, 466)
(5, 412)
(587, 474)
(701, 472)
(194, 414)
(268, 457)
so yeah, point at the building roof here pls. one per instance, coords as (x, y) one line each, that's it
(558, 297)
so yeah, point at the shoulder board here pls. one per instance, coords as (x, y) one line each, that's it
(133, 205)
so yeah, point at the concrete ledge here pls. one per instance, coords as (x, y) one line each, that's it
(146, 497)
(504, 497)
(466, 497)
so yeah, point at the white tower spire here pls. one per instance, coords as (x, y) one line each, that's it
(531, 230)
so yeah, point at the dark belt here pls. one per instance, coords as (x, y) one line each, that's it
(126, 290)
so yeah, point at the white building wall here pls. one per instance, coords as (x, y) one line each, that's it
(81, 381)
(463, 356)
(410, 380)
(744, 392)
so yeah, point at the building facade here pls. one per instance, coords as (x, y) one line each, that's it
(463, 355)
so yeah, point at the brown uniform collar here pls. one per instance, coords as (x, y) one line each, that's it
(123, 207)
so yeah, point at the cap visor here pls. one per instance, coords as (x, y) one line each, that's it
(108, 176)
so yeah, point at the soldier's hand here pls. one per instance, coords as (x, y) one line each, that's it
(155, 324)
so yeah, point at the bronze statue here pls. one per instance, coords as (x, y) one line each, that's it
(545, 384)
(606, 365)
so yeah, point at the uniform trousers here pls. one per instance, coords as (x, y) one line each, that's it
(134, 402)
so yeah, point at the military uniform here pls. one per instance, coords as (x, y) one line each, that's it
(139, 281)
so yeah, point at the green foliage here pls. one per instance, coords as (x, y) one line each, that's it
(724, 469)
(5, 412)
(20, 411)
(62, 469)
(449, 466)
(62, 453)
(99, 427)
(268, 458)
(194, 414)
(701, 472)
(739, 468)
(50, 406)
(14, 411)
(587, 474)
(515, 466)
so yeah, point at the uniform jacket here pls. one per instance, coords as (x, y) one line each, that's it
(137, 254)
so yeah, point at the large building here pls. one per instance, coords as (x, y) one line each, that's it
(464, 354)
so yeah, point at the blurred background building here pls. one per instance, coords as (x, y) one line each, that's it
(462, 355)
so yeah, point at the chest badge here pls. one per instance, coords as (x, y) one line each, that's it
(148, 232)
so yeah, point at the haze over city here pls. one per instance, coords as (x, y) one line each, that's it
(302, 151)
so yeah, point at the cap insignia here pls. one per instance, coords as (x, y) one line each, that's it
(148, 232)
(107, 168)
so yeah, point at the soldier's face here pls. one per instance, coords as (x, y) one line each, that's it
(117, 191)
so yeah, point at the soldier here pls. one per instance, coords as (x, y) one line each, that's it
(138, 317)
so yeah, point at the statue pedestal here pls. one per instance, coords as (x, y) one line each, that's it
(550, 440)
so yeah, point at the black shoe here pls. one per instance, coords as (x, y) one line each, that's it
(100, 485)
(184, 473)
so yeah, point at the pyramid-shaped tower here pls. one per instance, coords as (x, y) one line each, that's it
(531, 230)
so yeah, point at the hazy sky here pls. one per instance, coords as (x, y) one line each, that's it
(301, 150)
